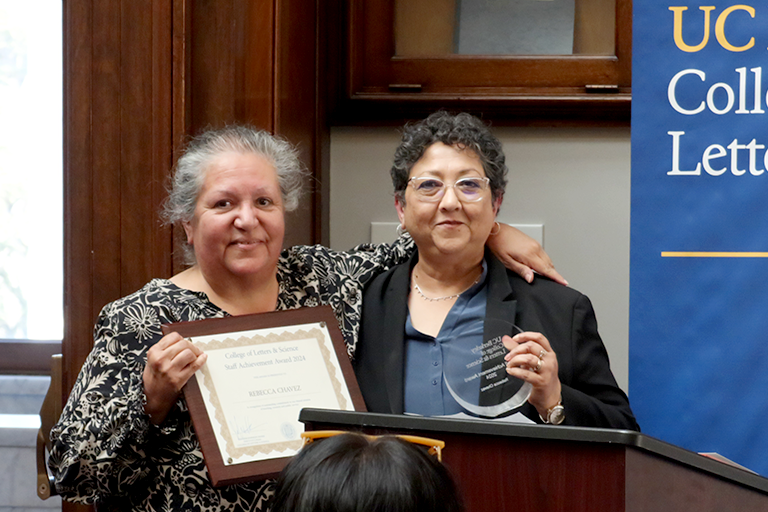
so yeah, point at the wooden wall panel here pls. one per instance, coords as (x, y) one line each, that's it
(296, 102)
(104, 147)
(258, 66)
(212, 75)
(117, 153)
(231, 52)
(145, 140)
(162, 105)
(78, 214)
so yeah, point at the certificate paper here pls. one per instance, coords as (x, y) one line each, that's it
(261, 371)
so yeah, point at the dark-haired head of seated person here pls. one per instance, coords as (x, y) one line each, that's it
(354, 473)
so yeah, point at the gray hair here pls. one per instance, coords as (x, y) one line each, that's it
(463, 130)
(204, 149)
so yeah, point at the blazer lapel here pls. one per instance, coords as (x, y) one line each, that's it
(500, 312)
(393, 335)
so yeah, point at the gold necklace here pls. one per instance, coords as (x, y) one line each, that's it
(447, 297)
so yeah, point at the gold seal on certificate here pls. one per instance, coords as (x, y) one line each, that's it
(261, 371)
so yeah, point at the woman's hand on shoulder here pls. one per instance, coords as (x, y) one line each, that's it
(532, 359)
(170, 363)
(522, 254)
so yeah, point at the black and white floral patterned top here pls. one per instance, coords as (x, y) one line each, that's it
(105, 450)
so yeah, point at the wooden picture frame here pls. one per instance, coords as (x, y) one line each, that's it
(281, 330)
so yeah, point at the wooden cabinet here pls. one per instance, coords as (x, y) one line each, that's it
(399, 60)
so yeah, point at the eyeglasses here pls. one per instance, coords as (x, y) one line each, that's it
(467, 190)
(435, 445)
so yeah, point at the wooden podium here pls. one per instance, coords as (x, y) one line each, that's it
(533, 468)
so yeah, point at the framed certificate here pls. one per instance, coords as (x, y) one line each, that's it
(261, 371)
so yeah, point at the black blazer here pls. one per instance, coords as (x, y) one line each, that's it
(591, 396)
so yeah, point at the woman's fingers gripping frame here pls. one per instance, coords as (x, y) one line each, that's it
(532, 359)
(170, 363)
(530, 356)
(175, 359)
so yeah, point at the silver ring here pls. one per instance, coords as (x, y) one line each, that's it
(538, 367)
(542, 354)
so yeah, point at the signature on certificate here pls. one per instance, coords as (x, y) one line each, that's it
(242, 426)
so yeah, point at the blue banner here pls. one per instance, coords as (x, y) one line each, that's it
(698, 352)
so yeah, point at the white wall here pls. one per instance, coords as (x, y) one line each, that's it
(574, 181)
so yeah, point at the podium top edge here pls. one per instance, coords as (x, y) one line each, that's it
(628, 438)
(472, 426)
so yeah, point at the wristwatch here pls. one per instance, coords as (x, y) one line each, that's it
(555, 415)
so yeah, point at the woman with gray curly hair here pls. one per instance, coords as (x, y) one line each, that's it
(125, 440)
(190, 174)
(452, 332)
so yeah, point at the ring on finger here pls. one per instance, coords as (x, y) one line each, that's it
(538, 366)
(542, 354)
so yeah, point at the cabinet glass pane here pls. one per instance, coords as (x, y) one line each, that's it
(504, 27)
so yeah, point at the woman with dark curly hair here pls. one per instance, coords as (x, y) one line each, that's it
(434, 329)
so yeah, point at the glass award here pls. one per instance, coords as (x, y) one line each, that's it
(477, 379)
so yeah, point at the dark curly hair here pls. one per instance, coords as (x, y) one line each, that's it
(463, 130)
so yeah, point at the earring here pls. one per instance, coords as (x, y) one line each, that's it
(400, 230)
(498, 228)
